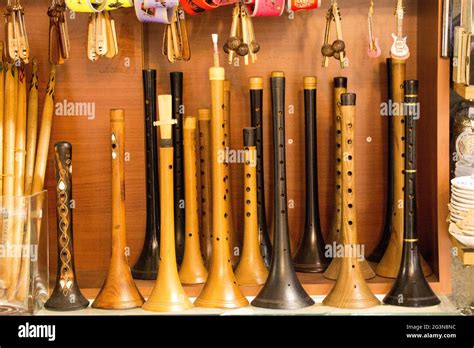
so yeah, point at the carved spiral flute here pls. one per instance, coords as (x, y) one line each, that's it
(66, 295)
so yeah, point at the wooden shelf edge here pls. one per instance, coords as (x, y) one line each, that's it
(465, 254)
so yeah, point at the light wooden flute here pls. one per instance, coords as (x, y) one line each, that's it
(2, 111)
(351, 289)
(19, 181)
(192, 269)
(235, 246)
(251, 269)
(39, 172)
(32, 129)
(390, 262)
(221, 289)
(119, 291)
(168, 293)
(8, 168)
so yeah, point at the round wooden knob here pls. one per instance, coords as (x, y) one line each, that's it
(233, 42)
(338, 46)
(243, 49)
(327, 50)
(254, 46)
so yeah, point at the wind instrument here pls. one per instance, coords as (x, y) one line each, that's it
(251, 269)
(2, 116)
(8, 169)
(168, 294)
(39, 173)
(350, 290)
(19, 182)
(379, 250)
(221, 289)
(332, 272)
(390, 263)
(66, 295)
(119, 291)
(256, 116)
(192, 270)
(32, 128)
(235, 245)
(147, 265)
(59, 44)
(206, 184)
(176, 79)
(282, 290)
(310, 256)
(411, 288)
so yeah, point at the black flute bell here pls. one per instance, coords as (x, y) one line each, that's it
(282, 289)
(411, 288)
(66, 295)
(148, 262)
(310, 255)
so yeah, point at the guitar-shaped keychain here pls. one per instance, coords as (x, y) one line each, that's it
(399, 48)
(374, 50)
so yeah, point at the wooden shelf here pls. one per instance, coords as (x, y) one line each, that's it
(467, 92)
(465, 254)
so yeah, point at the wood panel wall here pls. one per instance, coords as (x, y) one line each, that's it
(290, 45)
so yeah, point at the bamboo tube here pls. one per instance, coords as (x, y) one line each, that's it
(32, 129)
(19, 182)
(9, 168)
(2, 111)
(39, 173)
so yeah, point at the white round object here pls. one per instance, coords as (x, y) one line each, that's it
(463, 239)
(463, 183)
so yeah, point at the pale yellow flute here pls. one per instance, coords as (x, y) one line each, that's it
(19, 182)
(9, 169)
(39, 171)
(32, 129)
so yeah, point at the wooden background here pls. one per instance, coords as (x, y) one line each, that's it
(290, 45)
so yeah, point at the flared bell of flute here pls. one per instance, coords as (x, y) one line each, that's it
(168, 294)
(282, 290)
(351, 289)
(411, 288)
(251, 269)
(221, 289)
(147, 265)
(119, 290)
(332, 271)
(66, 295)
(310, 256)
(192, 270)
